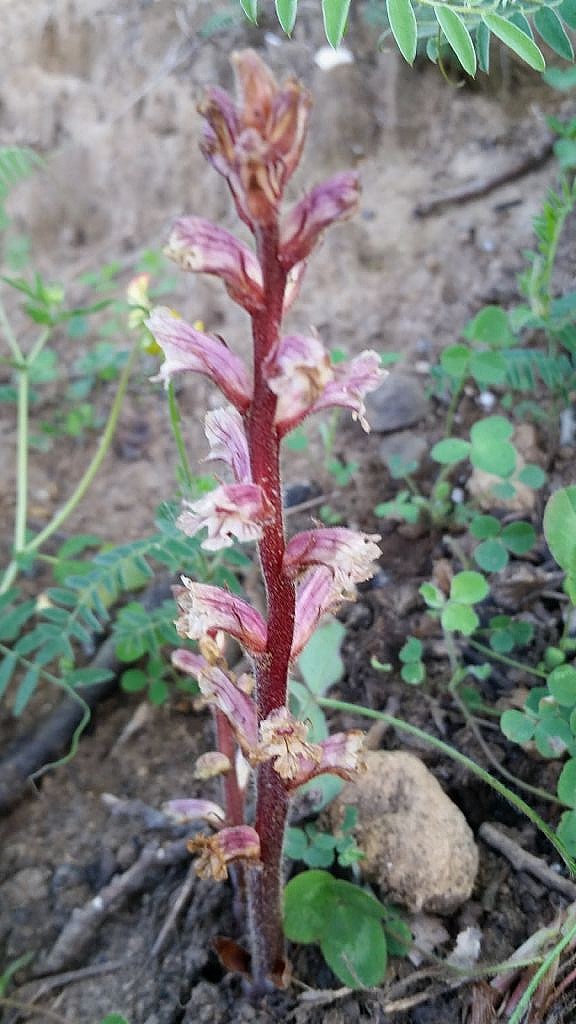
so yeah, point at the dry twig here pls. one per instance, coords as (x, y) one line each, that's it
(521, 860)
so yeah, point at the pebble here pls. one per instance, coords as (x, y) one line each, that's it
(398, 403)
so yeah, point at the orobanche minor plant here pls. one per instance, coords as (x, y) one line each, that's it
(256, 145)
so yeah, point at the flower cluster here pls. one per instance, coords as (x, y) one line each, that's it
(256, 144)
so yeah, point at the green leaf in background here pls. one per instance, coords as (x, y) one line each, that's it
(450, 450)
(488, 368)
(459, 618)
(491, 449)
(521, 22)
(553, 32)
(306, 899)
(250, 8)
(404, 28)
(563, 79)
(517, 40)
(320, 662)
(519, 537)
(355, 949)
(562, 685)
(25, 690)
(335, 14)
(114, 1018)
(454, 360)
(491, 555)
(491, 327)
(567, 10)
(560, 528)
(286, 11)
(483, 47)
(517, 727)
(458, 36)
(566, 787)
(468, 587)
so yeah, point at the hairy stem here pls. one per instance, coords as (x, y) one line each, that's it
(272, 669)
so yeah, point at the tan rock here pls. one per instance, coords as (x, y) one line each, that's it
(418, 846)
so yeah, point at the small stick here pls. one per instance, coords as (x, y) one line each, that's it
(483, 186)
(178, 907)
(71, 977)
(85, 921)
(521, 860)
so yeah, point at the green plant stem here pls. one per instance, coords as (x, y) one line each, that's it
(542, 971)
(85, 482)
(10, 336)
(452, 407)
(507, 661)
(175, 421)
(445, 748)
(22, 462)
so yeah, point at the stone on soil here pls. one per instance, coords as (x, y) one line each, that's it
(398, 403)
(417, 844)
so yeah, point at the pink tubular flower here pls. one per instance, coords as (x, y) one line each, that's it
(341, 754)
(207, 609)
(231, 510)
(238, 843)
(224, 429)
(300, 230)
(298, 373)
(218, 688)
(283, 739)
(183, 811)
(198, 245)
(257, 144)
(347, 385)
(185, 348)
(349, 554)
(316, 595)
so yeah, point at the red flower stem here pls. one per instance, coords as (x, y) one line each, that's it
(265, 886)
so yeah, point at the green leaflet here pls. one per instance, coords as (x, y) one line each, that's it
(335, 14)
(553, 32)
(286, 11)
(458, 36)
(517, 40)
(404, 28)
(250, 8)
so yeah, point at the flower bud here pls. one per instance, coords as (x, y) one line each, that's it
(211, 764)
(349, 554)
(184, 811)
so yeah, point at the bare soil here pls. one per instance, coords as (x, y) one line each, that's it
(107, 91)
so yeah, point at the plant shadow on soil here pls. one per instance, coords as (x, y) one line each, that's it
(385, 281)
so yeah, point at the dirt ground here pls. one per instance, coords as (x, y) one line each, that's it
(107, 91)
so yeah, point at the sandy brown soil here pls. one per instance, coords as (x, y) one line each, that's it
(107, 91)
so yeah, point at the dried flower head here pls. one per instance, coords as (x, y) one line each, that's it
(215, 853)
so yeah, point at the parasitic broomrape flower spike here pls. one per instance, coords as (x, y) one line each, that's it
(198, 245)
(349, 554)
(232, 510)
(341, 754)
(185, 348)
(230, 845)
(207, 609)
